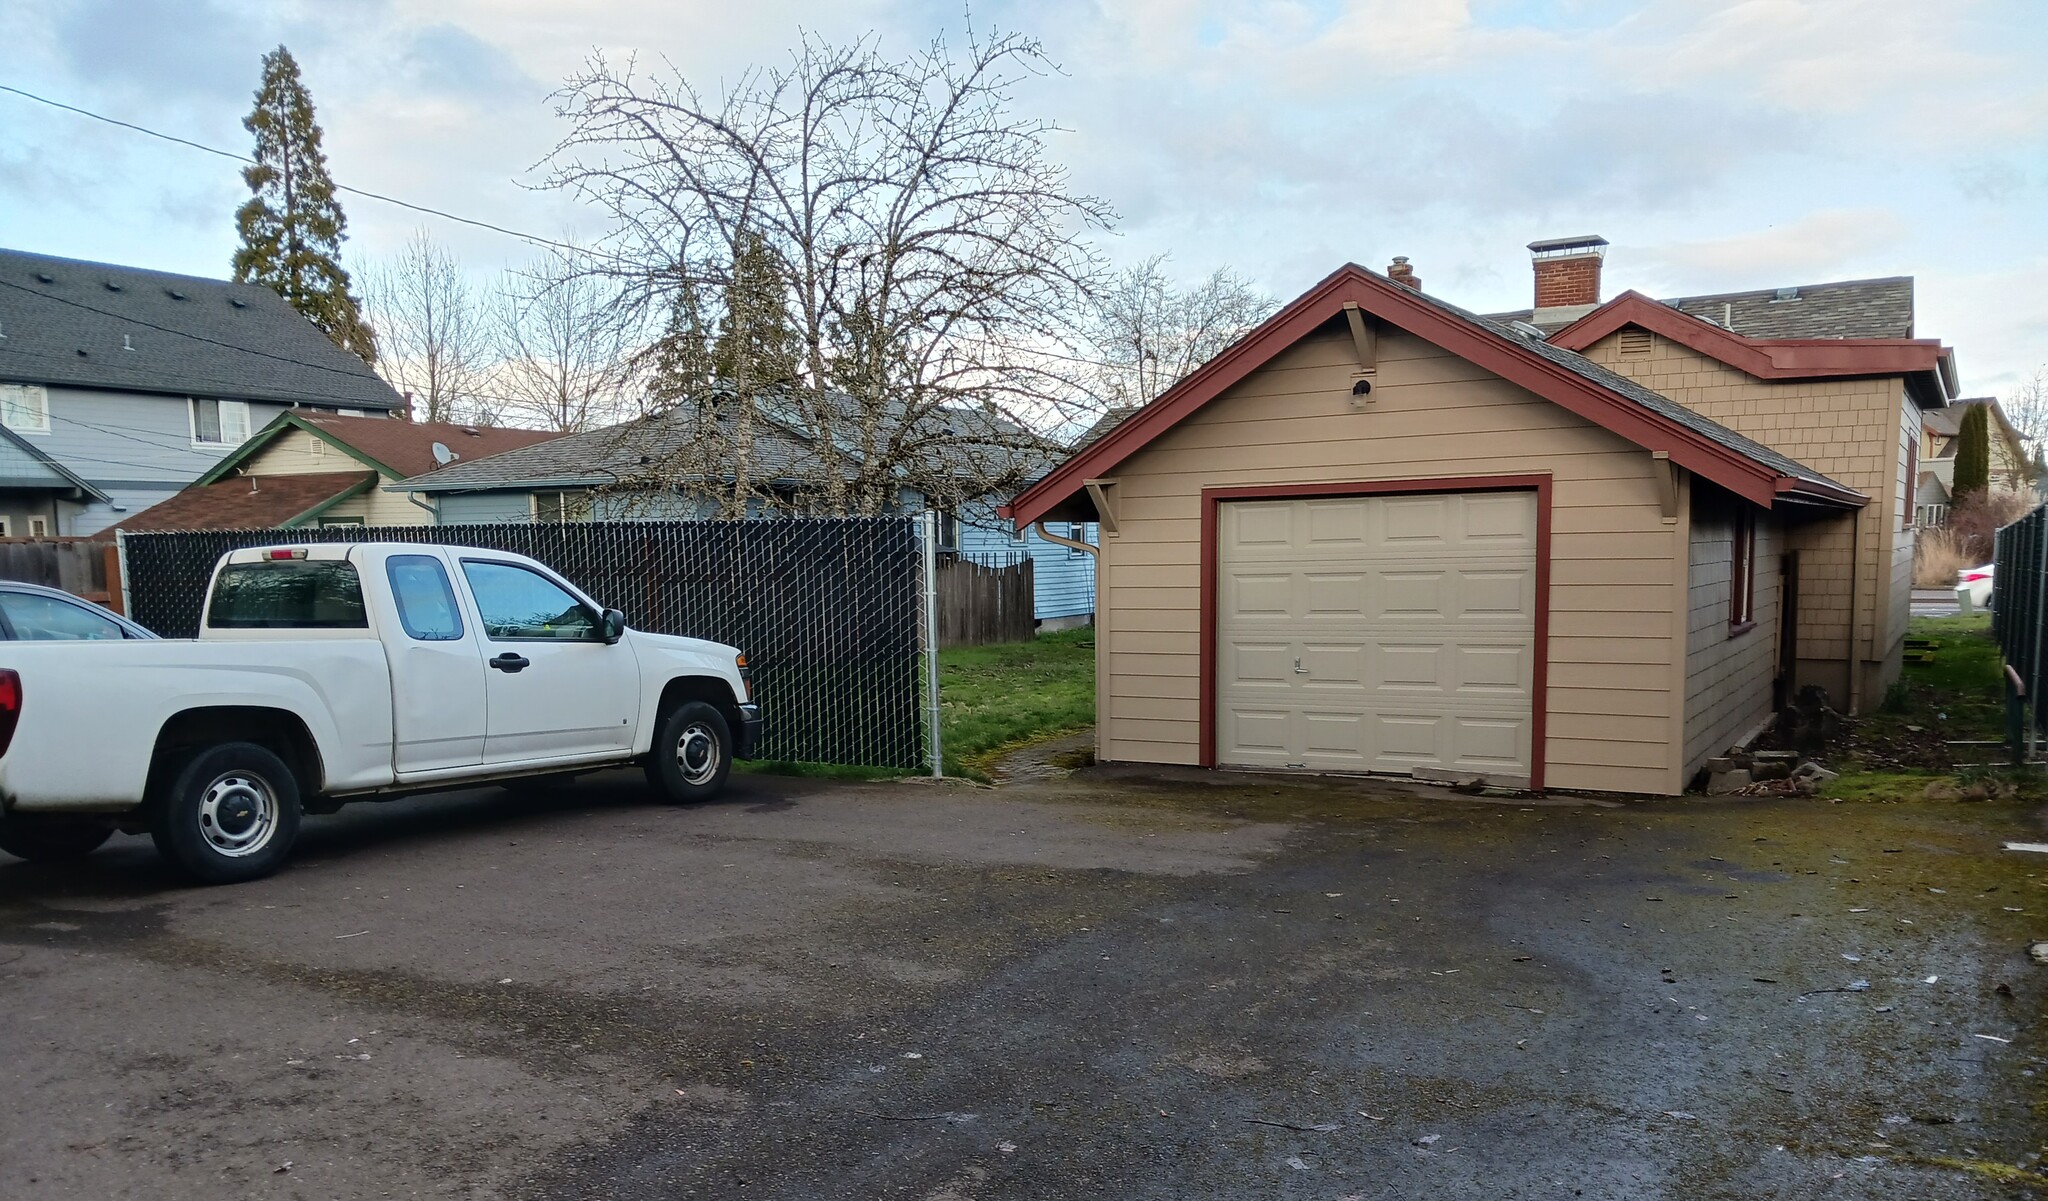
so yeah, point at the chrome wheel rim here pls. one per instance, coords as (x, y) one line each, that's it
(238, 814)
(697, 754)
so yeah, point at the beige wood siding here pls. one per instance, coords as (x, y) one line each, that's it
(1851, 430)
(1727, 675)
(296, 452)
(1615, 654)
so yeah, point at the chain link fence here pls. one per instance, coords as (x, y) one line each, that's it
(2019, 602)
(827, 609)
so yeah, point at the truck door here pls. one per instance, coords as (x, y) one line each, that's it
(437, 671)
(554, 689)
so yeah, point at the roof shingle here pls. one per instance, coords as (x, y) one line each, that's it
(247, 502)
(98, 325)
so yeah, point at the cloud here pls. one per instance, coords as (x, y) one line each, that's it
(199, 50)
(1815, 246)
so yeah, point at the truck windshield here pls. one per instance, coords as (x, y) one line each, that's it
(287, 594)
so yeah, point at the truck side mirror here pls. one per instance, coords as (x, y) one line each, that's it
(614, 623)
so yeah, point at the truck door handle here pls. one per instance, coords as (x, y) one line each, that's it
(511, 663)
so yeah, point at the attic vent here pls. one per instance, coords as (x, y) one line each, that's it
(111, 286)
(1637, 343)
(240, 304)
(127, 342)
(174, 294)
(45, 277)
(1785, 294)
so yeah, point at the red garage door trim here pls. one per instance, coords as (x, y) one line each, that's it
(1212, 499)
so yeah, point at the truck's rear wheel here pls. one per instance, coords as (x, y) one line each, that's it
(691, 755)
(43, 838)
(231, 813)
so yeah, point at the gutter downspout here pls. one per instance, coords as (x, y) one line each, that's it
(1855, 611)
(414, 498)
(1069, 543)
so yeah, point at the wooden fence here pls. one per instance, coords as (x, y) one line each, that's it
(985, 602)
(85, 567)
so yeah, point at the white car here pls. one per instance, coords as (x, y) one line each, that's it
(333, 673)
(1977, 582)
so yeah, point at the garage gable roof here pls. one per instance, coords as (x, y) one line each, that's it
(1648, 419)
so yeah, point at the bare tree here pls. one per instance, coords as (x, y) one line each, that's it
(565, 356)
(434, 332)
(2026, 406)
(929, 252)
(1150, 334)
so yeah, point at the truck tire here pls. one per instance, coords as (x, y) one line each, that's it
(231, 813)
(691, 755)
(41, 838)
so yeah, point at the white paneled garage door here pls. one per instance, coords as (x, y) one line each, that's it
(1380, 633)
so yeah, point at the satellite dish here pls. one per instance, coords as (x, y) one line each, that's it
(443, 455)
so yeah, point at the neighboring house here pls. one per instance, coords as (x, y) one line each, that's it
(1385, 534)
(625, 472)
(1940, 433)
(317, 469)
(119, 386)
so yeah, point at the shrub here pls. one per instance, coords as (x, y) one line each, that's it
(1937, 557)
(1976, 518)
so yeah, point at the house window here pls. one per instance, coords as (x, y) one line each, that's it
(1742, 574)
(1079, 533)
(329, 522)
(25, 408)
(1930, 516)
(1912, 483)
(220, 422)
(6, 527)
(568, 505)
(38, 527)
(949, 530)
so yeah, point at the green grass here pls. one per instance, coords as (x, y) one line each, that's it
(992, 698)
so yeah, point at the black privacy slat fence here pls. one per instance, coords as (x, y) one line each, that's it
(827, 609)
(2019, 602)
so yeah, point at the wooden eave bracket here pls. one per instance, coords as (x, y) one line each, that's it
(1667, 484)
(1105, 512)
(1364, 338)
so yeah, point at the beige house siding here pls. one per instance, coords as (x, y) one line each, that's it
(296, 452)
(1615, 668)
(1849, 429)
(1727, 676)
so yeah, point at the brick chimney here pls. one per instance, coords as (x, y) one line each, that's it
(1401, 273)
(1567, 271)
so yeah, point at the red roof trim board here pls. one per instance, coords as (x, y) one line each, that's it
(1468, 339)
(1764, 358)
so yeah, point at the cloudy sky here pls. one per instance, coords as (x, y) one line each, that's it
(1718, 144)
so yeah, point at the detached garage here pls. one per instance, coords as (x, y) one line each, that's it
(1381, 534)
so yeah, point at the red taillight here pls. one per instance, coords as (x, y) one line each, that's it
(10, 706)
(1971, 577)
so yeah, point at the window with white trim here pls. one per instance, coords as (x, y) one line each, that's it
(6, 527)
(1742, 574)
(38, 527)
(25, 408)
(567, 505)
(219, 422)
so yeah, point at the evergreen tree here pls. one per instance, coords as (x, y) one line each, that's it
(757, 348)
(679, 362)
(292, 227)
(1973, 454)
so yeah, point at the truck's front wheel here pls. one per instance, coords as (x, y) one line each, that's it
(230, 814)
(41, 838)
(692, 753)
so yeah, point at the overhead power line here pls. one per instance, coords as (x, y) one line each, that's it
(340, 187)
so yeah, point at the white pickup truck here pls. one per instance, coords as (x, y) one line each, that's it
(330, 673)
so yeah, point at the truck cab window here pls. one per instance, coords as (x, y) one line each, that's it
(518, 604)
(288, 594)
(424, 597)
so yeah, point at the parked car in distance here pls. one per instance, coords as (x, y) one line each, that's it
(31, 612)
(1977, 582)
(333, 673)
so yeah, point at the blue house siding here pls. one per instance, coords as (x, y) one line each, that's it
(136, 447)
(1063, 580)
(483, 508)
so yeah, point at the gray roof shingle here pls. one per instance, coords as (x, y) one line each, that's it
(1855, 308)
(96, 325)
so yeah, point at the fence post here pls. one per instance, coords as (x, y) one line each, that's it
(127, 608)
(931, 634)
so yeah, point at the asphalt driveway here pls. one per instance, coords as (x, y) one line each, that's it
(1112, 985)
